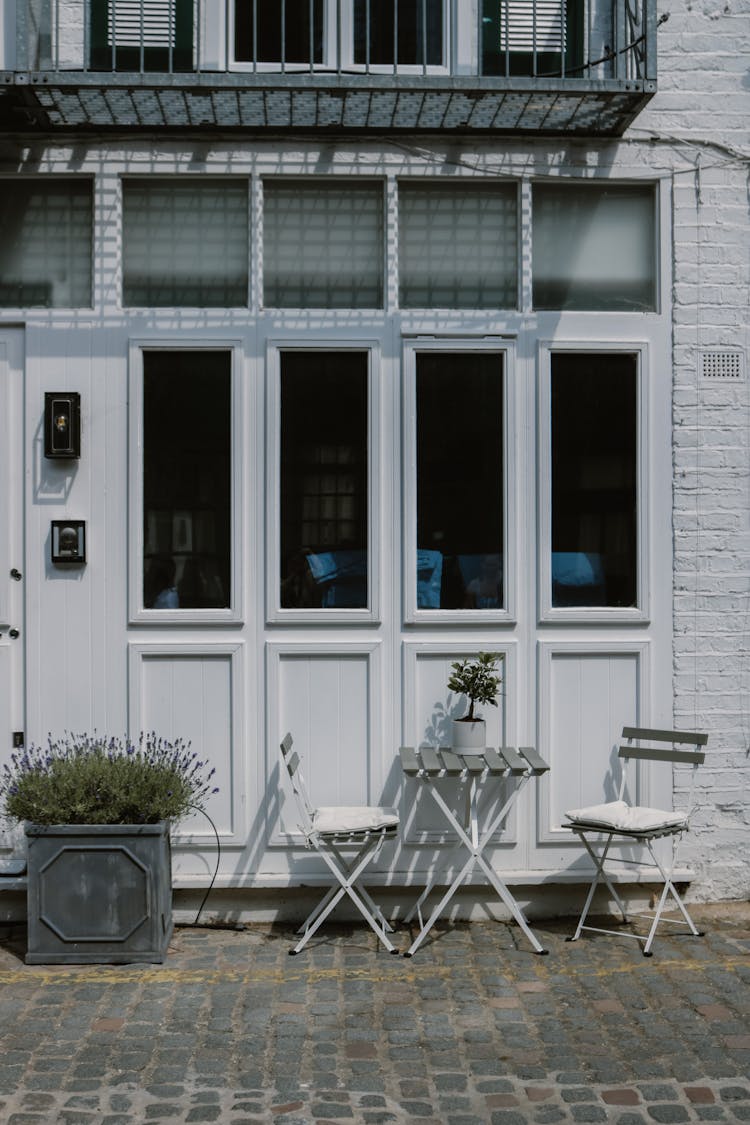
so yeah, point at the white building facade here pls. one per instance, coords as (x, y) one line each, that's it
(399, 332)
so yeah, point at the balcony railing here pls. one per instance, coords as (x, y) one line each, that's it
(568, 53)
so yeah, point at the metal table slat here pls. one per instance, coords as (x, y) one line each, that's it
(496, 764)
(535, 760)
(515, 762)
(430, 760)
(474, 763)
(409, 761)
(453, 764)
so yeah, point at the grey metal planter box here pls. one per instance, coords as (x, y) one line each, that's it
(98, 893)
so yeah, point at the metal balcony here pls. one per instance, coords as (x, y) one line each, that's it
(581, 67)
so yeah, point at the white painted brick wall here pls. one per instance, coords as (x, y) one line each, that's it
(704, 100)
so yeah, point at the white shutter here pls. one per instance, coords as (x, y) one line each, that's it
(532, 25)
(133, 23)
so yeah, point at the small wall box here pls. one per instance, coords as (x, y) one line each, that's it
(68, 542)
(62, 425)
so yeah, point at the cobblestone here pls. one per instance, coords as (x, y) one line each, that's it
(475, 1030)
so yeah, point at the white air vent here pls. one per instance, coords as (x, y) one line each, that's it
(722, 365)
(148, 23)
(532, 25)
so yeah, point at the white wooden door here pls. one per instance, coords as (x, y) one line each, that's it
(11, 547)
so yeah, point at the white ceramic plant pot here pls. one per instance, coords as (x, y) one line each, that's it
(469, 735)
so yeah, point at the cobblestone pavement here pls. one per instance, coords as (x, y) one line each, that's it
(474, 1029)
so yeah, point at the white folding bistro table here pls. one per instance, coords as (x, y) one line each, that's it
(486, 768)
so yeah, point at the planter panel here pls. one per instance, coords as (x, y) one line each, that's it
(98, 894)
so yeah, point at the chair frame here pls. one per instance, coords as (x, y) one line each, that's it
(346, 871)
(598, 848)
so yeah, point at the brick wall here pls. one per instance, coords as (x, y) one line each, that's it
(704, 100)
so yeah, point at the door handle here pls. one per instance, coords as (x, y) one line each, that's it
(14, 634)
(16, 575)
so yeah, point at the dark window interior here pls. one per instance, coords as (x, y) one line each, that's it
(460, 467)
(187, 479)
(594, 479)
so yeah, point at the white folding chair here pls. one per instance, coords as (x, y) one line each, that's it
(329, 829)
(599, 826)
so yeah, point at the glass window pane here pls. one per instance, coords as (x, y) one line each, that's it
(185, 242)
(594, 479)
(460, 466)
(187, 479)
(323, 245)
(283, 34)
(458, 246)
(324, 480)
(381, 24)
(594, 247)
(45, 243)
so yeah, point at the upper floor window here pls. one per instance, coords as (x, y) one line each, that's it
(378, 34)
(540, 38)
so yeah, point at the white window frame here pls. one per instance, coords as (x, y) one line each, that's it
(338, 38)
(238, 500)
(370, 613)
(583, 614)
(347, 47)
(511, 424)
(328, 61)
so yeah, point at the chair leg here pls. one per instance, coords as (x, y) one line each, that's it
(347, 880)
(599, 877)
(668, 889)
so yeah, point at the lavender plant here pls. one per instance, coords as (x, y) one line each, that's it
(94, 779)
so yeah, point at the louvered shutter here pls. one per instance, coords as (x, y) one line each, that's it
(532, 25)
(142, 34)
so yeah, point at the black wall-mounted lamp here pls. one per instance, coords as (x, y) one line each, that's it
(68, 541)
(62, 424)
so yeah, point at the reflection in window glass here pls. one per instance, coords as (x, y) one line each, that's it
(594, 247)
(45, 243)
(283, 31)
(323, 245)
(457, 246)
(186, 479)
(594, 479)
(392, 32)
(324, 494)
(460, 455)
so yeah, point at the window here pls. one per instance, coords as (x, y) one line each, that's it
(594, 247)
(279, 31)
(185, 243)
(382, 34)
(324, 480)
(458, 246)
(187, 479)
(323, 245)
(45, 243)
(398, 32)
(594, 427)
(543, 38)
(460, 475)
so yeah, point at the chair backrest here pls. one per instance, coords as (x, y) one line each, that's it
(684, 746)
(291, 760)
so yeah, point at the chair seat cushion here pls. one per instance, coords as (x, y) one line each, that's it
(343, 819)
(621, 817)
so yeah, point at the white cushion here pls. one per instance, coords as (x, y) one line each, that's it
(625, 818)
(353, 818)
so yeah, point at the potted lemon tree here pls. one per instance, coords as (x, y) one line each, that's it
(97, 813)
(479, 681)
